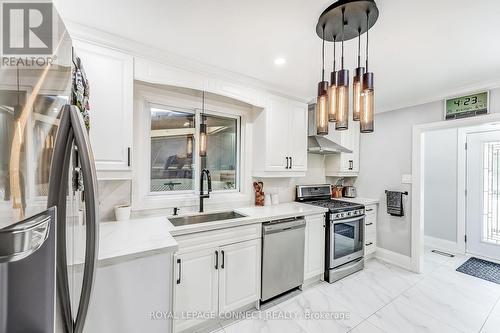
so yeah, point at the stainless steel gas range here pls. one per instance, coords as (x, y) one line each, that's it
(344, 231)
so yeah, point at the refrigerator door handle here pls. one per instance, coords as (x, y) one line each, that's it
(86, 159)
(58, 189)
(72, 130)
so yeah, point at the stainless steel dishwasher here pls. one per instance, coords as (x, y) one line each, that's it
(282, 256)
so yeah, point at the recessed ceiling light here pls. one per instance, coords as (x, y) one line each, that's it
(279, 61)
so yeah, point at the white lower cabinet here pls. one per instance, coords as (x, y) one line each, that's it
(370, 229)
(314, 254)
(239, 276)
(196, 286)
(215, 280)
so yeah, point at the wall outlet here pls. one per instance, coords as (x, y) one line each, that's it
(406, 179)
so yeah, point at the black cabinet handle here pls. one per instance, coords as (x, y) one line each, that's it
(223, 260)
(351, 164)
(179, 277)
(287, 163)
(369, 224)
(128, 156)
(290, 163)
(368, 244)
(216, 259)
(369, 209)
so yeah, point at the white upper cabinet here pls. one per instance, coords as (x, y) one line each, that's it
(344, 164)
(280, 139)
(110, 75)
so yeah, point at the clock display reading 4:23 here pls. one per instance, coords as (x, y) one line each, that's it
(466, 106)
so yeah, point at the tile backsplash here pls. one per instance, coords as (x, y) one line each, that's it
(113, 193)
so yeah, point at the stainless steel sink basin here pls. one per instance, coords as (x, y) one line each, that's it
(202, 218)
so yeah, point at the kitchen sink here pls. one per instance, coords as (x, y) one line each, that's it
(202, 218)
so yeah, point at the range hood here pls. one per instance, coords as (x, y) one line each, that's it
(317, 144)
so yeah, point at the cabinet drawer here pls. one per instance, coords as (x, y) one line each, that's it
(215, 238)
(370, 246)
(370, 228)
(371, 210)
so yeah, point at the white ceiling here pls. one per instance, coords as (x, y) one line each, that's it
(420, 50)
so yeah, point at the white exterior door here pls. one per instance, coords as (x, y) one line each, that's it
(483, 194)
(196, 283)
(239, 275)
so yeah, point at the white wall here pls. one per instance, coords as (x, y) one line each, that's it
(386, 155)
(440, 184)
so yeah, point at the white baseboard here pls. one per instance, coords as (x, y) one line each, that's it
(394, 258)
(442, 244)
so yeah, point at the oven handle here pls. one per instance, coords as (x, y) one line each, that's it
(357, 218)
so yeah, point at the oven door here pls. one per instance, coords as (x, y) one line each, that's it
(347, 238)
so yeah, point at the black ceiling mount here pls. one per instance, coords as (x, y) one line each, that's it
(355, 19)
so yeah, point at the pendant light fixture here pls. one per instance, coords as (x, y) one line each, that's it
(367, 111)
(340, 22)
(203, 130)
(357, 84)
(332, 90)
(322, 100)
(342, 89)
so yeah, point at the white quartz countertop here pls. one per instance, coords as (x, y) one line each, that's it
(360, 200)
(125, 240)
(252, 214)
(145, 236)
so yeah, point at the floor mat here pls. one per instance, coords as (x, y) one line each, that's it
(482, 269)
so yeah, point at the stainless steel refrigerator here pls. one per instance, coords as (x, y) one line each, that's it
(48, 194)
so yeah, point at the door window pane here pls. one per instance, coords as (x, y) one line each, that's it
(172, 143)
(222, 152)
(491, 192)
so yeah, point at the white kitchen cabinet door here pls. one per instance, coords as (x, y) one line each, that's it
(277, 134)
(196, 285)
(280, 139)
(344, 164)
(239, 275)
(298, 136)
(110, 75)
(314, 260)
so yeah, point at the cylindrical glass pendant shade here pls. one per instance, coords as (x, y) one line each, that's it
(332, 98)
(342, 100)
(203, 140)
(322, 109)
(357, 90)
(367, 112)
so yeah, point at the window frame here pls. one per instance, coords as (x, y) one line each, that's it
(196, 156)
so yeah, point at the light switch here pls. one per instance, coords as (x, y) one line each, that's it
(406, 179)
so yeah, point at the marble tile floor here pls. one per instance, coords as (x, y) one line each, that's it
(386, 298)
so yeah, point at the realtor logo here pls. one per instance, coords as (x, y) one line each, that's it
(27, 28)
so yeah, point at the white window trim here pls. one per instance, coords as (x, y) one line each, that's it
(142, 197)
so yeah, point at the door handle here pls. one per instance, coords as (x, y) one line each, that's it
(216, 259)
(72, 131)
(287, 163)
(180, 268)
(291, 165)
(369, 209)
(351, 164)
(369, 224)
(223, 259)
(368, 244)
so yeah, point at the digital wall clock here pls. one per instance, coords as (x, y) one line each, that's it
(467, 106)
